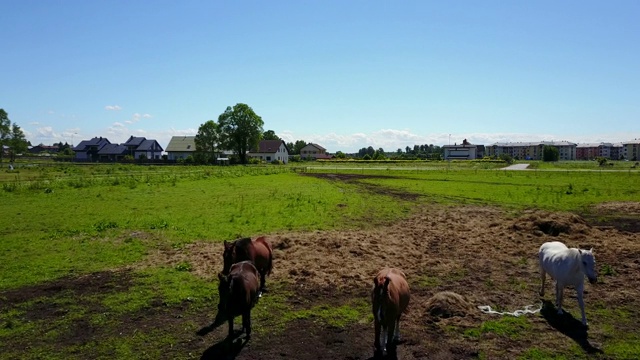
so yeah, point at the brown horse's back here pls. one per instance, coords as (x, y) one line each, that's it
(246, 284)
(398, 289)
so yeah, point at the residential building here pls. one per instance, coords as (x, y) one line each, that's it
(87, 150)
(113, 152)
(180, 147)
(592, 151)
(464, 151)
(140, 147)
(532, 150)
(314, 151)
(39, 149)
(631, 150)
(270, 150)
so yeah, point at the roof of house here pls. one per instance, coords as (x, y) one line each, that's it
(593, 145)
(631, 142)
(134, 141)
(93, 142)
(316, 146)
(270, 146)
(113, 149)
(148, 145)
(182, 144)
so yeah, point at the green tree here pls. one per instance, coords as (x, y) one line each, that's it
(240, 129)
(17, 142)
(270, 135)
(340, 155)
(5, 131)
(550, 153)
(207, 141)
(294, 148)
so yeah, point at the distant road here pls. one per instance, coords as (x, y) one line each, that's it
(516, 167)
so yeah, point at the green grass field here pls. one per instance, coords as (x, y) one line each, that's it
(63, 220)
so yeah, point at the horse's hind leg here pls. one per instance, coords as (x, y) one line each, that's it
(246, 323)
(396, 335)
(391, 330)
(263, 281)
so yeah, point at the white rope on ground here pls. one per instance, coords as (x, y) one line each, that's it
(529, 309)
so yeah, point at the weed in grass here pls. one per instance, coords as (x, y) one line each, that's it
(540, 354)
(607, 270)
(184, 266)
(104, 225)
(428, 281)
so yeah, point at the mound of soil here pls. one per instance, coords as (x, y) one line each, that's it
(446, 304)
(541, 223)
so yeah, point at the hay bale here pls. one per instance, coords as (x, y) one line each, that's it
(447, 304)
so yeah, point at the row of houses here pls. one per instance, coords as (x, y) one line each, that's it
(101, 149)
(629, 150)
(181, 147)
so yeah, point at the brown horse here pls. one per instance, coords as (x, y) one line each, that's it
(390, 298)
(259, 251)
(238, 294)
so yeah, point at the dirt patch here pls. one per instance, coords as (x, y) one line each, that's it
(356, 179)
(623, 216)
(484, 255)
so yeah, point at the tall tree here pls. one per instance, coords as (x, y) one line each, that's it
(5, 130)
(240, 129)
(550, 153)
(17, 142)
(208, 139)
(270, 135)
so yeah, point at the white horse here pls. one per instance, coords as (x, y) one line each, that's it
(567, 267)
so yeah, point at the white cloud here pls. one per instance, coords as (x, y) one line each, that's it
(46, 132)
(34, 123)
(112, 107)
(137, 117)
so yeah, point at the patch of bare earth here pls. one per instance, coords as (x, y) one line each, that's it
(624, 216)
(486, 256)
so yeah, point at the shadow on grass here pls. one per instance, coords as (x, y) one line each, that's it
(227, 349)
(219, 320)
(569, 326)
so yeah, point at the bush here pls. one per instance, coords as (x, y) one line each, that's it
(277, 162)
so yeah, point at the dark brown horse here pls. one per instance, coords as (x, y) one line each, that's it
(259, 251)
(238, 294)
(390, 298)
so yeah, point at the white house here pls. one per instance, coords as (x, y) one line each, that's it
(269, 150)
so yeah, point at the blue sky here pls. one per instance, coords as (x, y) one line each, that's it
(344, 74)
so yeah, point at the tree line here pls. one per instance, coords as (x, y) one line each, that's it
(11, 135)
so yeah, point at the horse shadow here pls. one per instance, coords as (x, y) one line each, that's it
(224, 349)
(227, 349)
(569, 326)
(219, 320)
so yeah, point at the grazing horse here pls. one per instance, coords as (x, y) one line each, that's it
(567, 267)
(259, 251)
(390, 297)
(238, 294)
